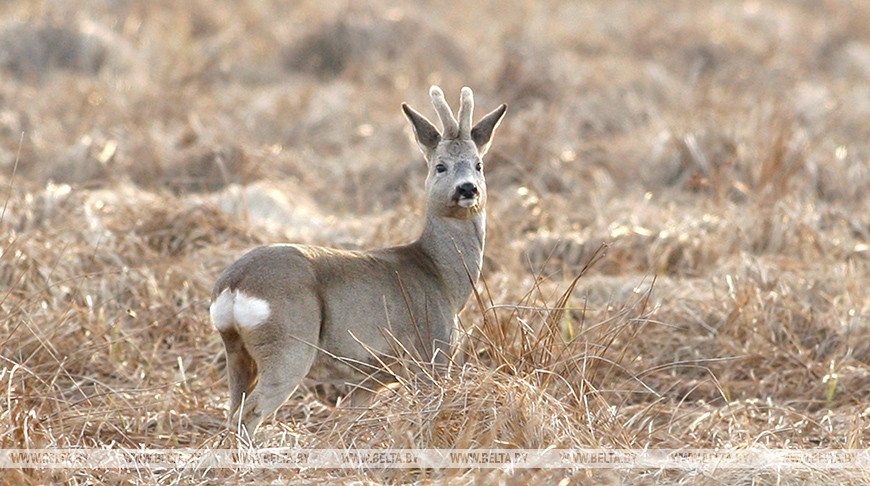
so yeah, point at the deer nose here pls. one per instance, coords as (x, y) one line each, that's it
(467, 190)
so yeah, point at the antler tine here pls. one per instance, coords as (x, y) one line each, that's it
(466, 107)
(448, 122)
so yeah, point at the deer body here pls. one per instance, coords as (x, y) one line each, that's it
(286, 312)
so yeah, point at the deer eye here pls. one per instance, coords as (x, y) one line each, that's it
(479, 167)
(440, 168)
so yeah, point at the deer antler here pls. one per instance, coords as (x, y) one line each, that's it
(466, 107)
(448, 122)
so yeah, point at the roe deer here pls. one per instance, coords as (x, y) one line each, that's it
(286, 312)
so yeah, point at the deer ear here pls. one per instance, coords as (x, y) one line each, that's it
(424, 131)
(481, 134)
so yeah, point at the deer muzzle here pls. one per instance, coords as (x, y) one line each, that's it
(466, 195)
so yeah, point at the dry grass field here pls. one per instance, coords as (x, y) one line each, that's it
(678, 249)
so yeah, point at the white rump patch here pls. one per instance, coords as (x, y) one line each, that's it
(235, 307)
(221, 311)
(250, 311)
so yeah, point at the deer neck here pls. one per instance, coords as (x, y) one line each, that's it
(456, 247)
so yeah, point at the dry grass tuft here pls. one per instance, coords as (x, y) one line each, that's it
(359, 37)
(29, 50)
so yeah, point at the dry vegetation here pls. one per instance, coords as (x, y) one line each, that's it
(719, 149)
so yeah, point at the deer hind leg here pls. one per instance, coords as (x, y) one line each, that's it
(284, 348)
(241, 369)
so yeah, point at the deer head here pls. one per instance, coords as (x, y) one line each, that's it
(455, 184)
